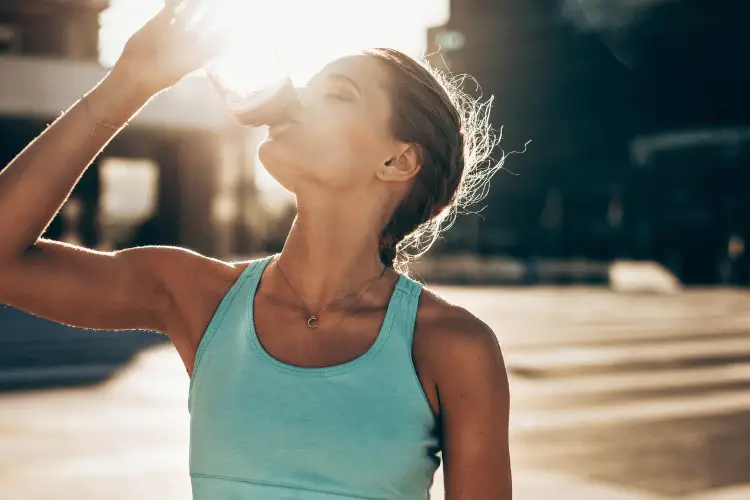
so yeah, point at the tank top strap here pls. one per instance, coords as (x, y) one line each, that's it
(410, 303)
(255, 269)
(247, 280)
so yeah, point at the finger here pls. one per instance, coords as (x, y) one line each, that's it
(165, 15)
(194, 16)
(172, 4)
(165, 25)
(210, 43)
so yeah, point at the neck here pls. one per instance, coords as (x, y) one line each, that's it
(331, 252)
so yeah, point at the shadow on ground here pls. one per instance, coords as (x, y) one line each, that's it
(39, 354)
(673, 458)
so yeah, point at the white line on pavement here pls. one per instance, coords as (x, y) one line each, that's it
(601, 384)
(605, 356)
(717, 403)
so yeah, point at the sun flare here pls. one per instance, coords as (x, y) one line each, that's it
(306, 34)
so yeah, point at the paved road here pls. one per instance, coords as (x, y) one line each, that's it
(641, 396)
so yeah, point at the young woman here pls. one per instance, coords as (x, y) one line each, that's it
(321, 372)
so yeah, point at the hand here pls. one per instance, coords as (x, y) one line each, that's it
(160, 54)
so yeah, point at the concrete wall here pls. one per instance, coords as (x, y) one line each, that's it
(37, 87)
(187, 130)
(66, 29)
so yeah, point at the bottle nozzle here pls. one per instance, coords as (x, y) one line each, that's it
(279, 107)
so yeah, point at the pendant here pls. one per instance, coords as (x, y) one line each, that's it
(312, 322)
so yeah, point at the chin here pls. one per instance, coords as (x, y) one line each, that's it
(278, 164)
(289, 166)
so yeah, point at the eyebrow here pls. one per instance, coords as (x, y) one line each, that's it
(344, 78)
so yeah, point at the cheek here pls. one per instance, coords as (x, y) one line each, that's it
(352, 147)
(314, 157)
(334, 149)
(334, 152)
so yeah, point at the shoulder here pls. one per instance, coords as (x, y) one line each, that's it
(472, 387)
(175, 266)
(189, 282)
(453, 330)
(455, 345)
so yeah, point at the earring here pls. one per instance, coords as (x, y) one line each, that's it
(388, 163)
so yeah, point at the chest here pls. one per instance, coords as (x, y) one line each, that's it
(338, 428)
(339, 337)
(283, 333)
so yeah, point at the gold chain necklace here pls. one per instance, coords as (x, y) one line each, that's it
(312, 321)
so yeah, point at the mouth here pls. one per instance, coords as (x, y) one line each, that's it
(278, 128)
(280, 119)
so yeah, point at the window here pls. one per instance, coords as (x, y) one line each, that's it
(10, 38)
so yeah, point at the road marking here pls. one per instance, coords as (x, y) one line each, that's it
(565, 395)
(599, 385)
(718, 403)
(574, 358)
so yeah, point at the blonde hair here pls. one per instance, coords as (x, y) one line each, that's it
(451, 130)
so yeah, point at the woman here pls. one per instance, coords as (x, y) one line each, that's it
(321, 372)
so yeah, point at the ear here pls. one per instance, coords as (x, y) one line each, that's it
(403, 166)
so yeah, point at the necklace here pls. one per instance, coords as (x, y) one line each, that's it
(312, 321)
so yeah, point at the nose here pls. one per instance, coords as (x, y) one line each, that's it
(304, 97)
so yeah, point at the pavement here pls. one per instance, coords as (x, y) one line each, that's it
(614, 397)
(624, 395)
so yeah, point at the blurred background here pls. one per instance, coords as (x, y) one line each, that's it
(610, 257)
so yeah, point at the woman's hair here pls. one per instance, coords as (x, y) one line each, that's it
(452, 135)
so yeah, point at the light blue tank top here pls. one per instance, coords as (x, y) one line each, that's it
(266, 430)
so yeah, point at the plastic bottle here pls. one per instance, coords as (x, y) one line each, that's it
(245, 71)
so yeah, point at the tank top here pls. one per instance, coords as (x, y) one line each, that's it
(264, 429)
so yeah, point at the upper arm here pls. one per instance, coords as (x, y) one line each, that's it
(127, 289)
(475, 405)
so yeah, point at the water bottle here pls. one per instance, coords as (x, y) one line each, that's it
(247, 73)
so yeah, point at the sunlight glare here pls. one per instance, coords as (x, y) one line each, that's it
(308, 33)
(305, 34)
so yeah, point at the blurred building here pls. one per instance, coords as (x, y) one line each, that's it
(67, 29)
(183, 149)
(638, 114)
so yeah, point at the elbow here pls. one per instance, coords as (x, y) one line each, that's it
(8, 268)
(10, 259)
(13, 272)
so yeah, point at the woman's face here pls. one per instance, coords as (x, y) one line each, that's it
(341, 134)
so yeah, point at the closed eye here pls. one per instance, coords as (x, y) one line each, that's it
(338, 97)
(337, 87)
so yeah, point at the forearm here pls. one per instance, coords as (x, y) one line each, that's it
(37, 182)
